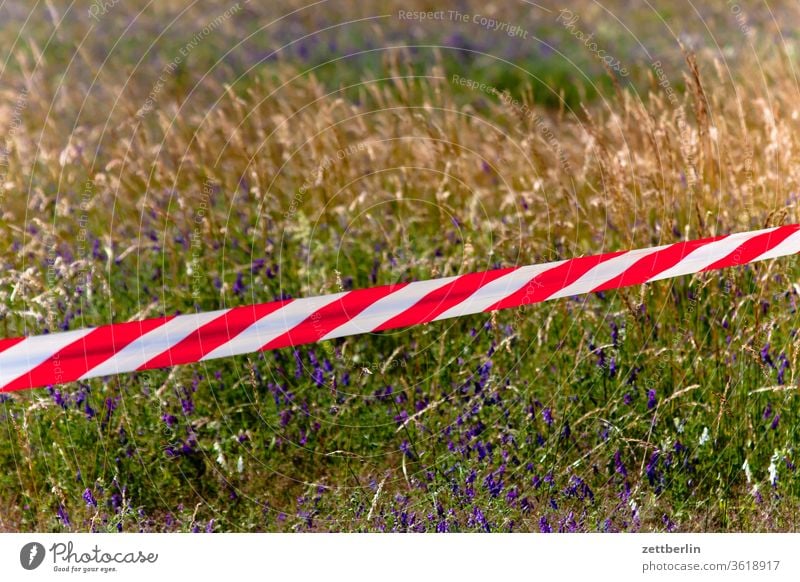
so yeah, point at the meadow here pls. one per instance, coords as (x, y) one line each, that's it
(170, 157)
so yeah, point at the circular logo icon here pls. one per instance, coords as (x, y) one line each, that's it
(31, 555)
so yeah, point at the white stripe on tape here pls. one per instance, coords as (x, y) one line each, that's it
(30, 352)
(153, 343)
(272, 325)
(498, 289)
(388, 307)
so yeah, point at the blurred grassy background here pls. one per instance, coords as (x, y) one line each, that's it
(153, 167)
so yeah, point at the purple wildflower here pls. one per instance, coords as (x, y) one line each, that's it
(619, 466)
(62, 515)
(88, 497)
(373, 276)
(238, 285)
(512, 495)
(405, 448)
(478, 518)
(601, 355)
(784, 364)
(256, 266)
(58, 398)
(187, 404)
(765, 357)
(494, 484)
(651, 399)
(578, 488)
(96, 252)
(298, 371)
(764, 306)
(650, 469)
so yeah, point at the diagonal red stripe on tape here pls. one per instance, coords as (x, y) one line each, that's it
(754, 247)
(7, 343)
(545, 284)
(655, 263)
(212, 335)
(73, 361)
(440, 300)
(328, 318)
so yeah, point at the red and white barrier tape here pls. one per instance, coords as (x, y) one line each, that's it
(168, 341)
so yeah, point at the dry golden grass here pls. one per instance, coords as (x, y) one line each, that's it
(337, 175)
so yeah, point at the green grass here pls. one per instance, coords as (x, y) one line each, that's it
(633, 410)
